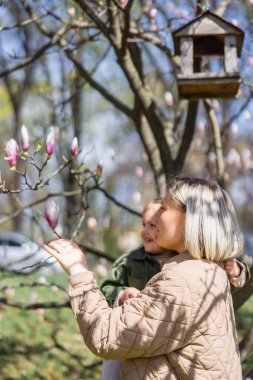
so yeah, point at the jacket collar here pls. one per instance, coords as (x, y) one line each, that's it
(176, 259)
(140, 254)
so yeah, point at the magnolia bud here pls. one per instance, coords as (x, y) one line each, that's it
(72, 12)
(101, 270)
(153, 13)
(246, 115)
(201, 126)
(51, 213)
(41, 312)
(74, 147)
(11, 152)
(168, 97)
(24, 138)
(9, 293)
(234, 129)
(50, 142)
(99, 169)
(124, 3)
(107, 222)
(250, 61)
(235, 22)
(92, 223)
(139, 172)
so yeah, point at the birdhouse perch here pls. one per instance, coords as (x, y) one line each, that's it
(209, 48)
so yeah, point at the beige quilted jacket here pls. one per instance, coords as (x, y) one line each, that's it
(181, 326)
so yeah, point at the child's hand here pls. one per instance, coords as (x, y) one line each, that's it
(126, 294)
(232, 268)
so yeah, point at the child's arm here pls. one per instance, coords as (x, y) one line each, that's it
(116, 281)
(237, 271)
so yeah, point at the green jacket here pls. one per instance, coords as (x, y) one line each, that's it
(133, 269)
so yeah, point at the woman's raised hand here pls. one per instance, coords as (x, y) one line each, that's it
(68, 255)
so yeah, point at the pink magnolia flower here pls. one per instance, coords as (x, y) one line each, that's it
(235, 22)
(72, 12)
(212, 158)
(101, 270)
(124, 3)
(24, 138)
(152, 13)
(246, 115)
(50, 142)
(184, 14)
(139, 172)
(107, 222)
(234, 129)
(168, 97)
(51, 213)
(74, 147)
(11, 152)
(99, 169)
(201, 126)
(250, 61)
(137, 197)
(41, 312)
(9, 293)
(92, 223)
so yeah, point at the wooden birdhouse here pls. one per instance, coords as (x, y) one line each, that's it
(209, 48)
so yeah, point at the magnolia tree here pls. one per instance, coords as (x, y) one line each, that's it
(26, 159)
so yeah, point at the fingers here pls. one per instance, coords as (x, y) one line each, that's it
(49, 250)
(55, 247)
(62, 244)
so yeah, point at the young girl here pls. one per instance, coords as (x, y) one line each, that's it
(181, 326)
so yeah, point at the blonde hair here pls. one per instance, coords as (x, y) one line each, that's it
(152, 202)
(211, 229)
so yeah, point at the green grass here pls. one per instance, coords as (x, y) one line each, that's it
(244, 320)
(49, 346)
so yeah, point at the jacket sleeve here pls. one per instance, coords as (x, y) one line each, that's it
(239, 282)
(154, 323)
(115, 281)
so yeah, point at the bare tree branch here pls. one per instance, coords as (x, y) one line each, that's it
(187, 135)
(27, 61)
(217, 140)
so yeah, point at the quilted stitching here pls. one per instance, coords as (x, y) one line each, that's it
(181, 326)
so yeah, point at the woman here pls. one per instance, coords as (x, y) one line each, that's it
(181, 326)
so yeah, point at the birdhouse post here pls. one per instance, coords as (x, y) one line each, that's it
(209, 48)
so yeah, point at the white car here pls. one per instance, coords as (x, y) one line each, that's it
(20, 254)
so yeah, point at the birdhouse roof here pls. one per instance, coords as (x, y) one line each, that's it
(208, 24)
